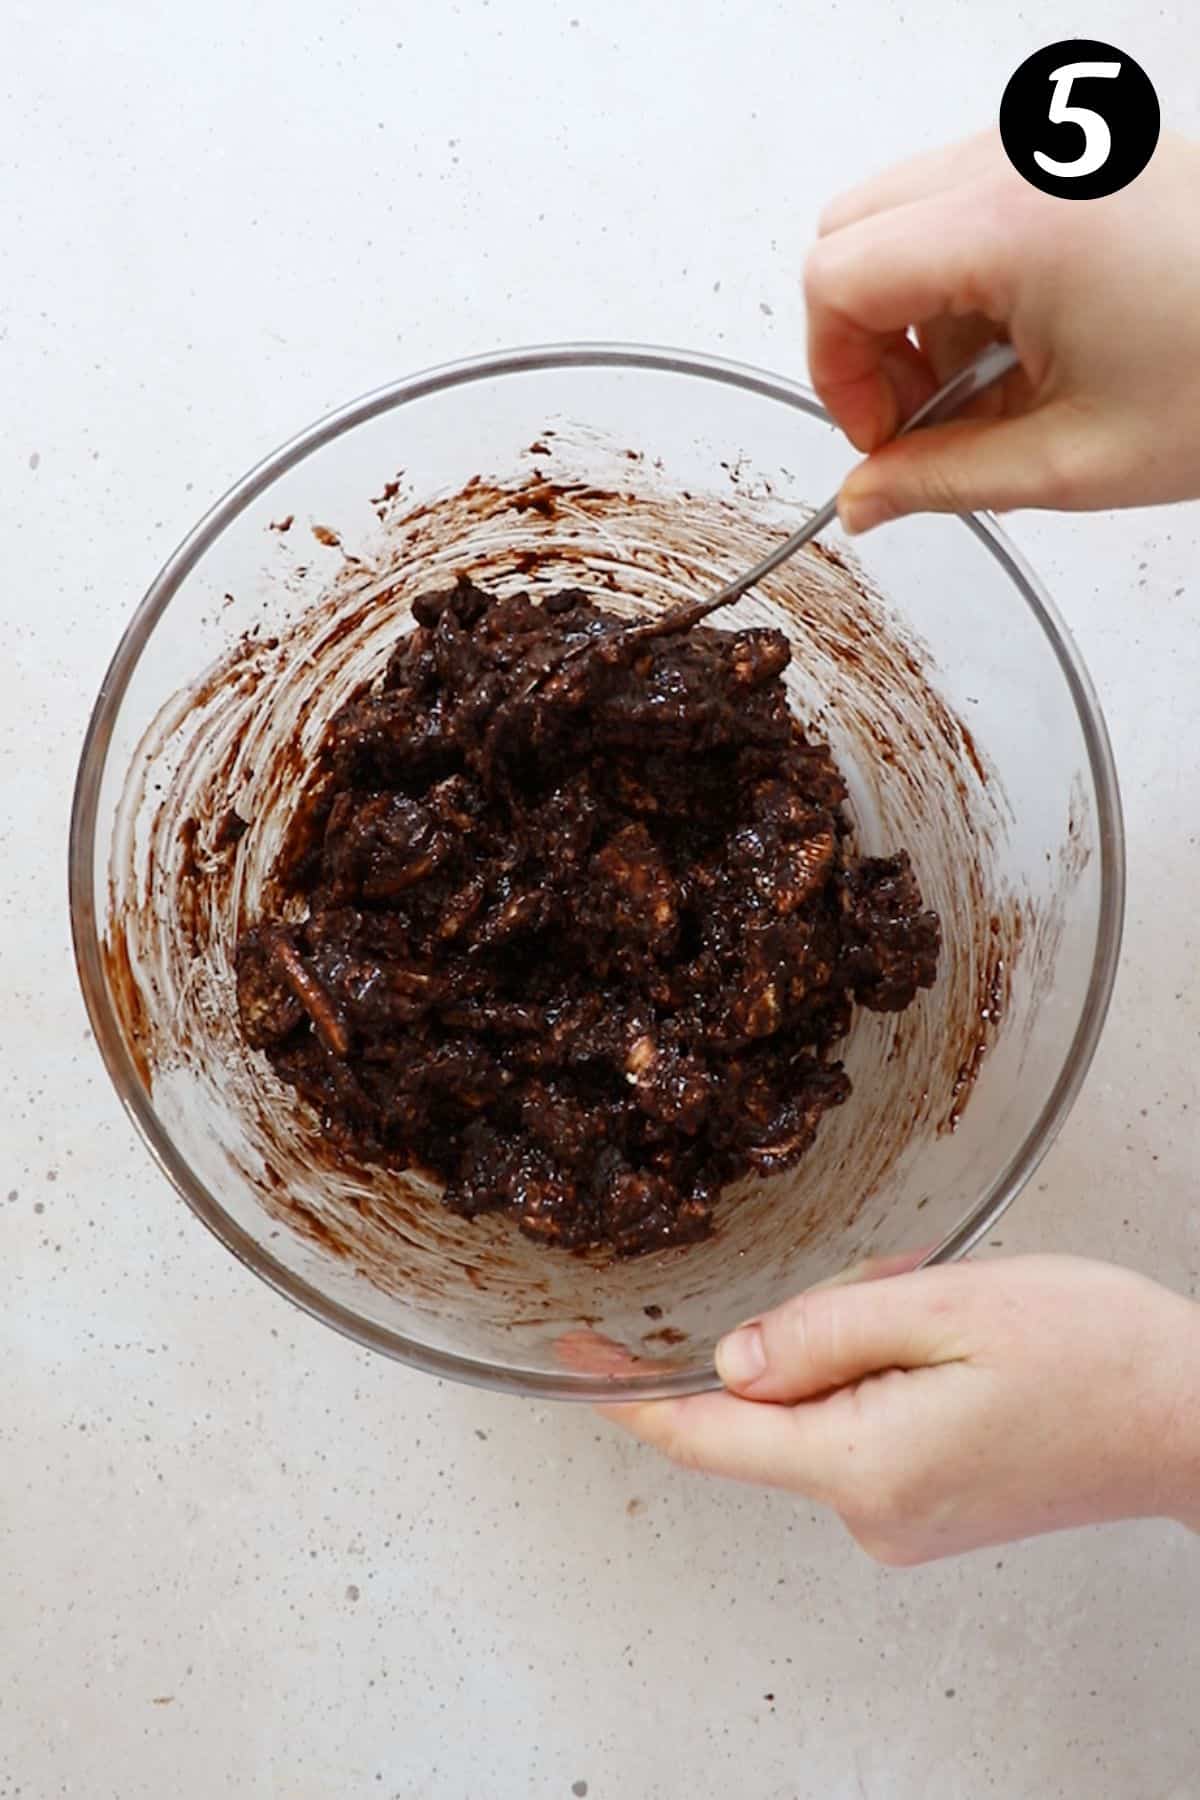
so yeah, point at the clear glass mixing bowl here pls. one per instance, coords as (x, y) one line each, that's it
(929, 656)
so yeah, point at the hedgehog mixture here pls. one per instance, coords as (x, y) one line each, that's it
(581, 935)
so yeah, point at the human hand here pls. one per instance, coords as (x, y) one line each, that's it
(1101, 299)
(957, 1406)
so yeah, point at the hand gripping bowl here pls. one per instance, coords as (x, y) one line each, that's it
(931, 659)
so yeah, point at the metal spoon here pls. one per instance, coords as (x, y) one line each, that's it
(990, 364)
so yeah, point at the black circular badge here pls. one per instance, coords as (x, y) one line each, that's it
(1079, 119)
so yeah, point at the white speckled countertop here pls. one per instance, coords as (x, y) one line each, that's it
(238, 1556)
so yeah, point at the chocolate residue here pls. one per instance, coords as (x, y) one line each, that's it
(993, 993)
(666, 1334)
(388, 492)
(231, 829)
(126, 989)
(1077, 851)
(240, 742)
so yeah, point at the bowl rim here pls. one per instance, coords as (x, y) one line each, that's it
(86, 929)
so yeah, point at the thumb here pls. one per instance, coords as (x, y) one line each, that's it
(830, 1337)
(964, 466)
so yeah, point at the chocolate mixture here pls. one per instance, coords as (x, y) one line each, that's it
(578, 939)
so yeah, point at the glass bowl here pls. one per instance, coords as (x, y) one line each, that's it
(929, 656)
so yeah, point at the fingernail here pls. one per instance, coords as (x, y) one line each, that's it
(742, 1356)
(863, 514)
